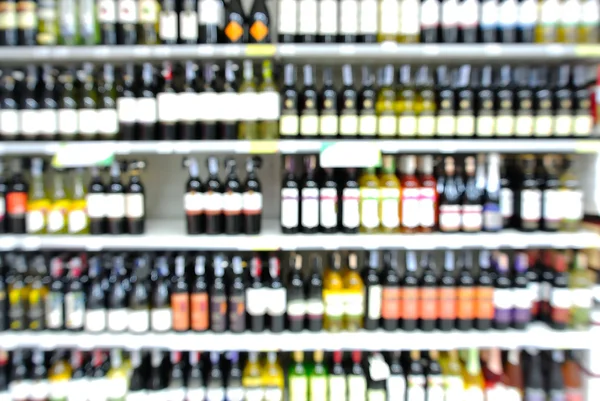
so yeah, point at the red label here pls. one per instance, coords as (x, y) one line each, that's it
(485, 303)
(560, 315)
(428, 303)
(199, 304)
(390, 303)
(574, 394)
(466, 303)
(410, 303)
(447, 303)
(180, 305)
(16, 203)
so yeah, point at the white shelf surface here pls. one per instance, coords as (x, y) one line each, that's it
(170, 234)
(292, 146)
(536, 336)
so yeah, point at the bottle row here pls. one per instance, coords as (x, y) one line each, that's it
(438, 21)
(141, 103)
(142, 293)
(130, 22)
(468, 195)
(352, 375)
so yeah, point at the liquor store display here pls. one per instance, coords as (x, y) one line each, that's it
(468, 195)
(338, 375)
(163, 293)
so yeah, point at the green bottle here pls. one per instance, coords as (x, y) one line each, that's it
(318, 378)
(47, 23)
(580, 286)
(298, 381)
(269, 95)
(248, 126)
(89, 29)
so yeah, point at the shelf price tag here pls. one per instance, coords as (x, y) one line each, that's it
(349, 154)
(260, 50)
(587, 146)
(263, 147)
(587, 50)
(83, 155)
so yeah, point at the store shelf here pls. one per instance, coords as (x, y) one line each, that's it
(169, 234)
(445, 146)
(373, 53)
(537, 336)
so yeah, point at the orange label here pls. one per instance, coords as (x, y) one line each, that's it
(410, 303)
(16, 203)
(180, 305)
(390, 303)
(447, 303)
(428, 303)
(259, 31)
(234, 31)
(466, 303)
(559, 315)
(485, 302)
(199, 304)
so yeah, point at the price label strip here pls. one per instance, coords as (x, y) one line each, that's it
(260, 50)
(349, 154)
(264, 147)
(83, 155)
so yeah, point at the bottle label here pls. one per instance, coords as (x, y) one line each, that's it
(368, 17)
(48, 120)
(354, 304)
(450, 219)
(489, 14)
(57, 216)
(296, 309)
(505, 124)
(328, 207)
(357, 388)
(531, 206)
(528, 13)
(348, 122)
(134, 206)
(581, 298)
(524, 125)
(561, 298)
(428, 303)
(430, 14)
(161, 319)
(213, 203)
(390, 217)
(195, 394)
(485, 125)
(146, 112)
(77, 220)
(337, 387)
(310, 207)
(315, 308)
(469, 14)
(107, 11)
(117, 319)
(472, 217)
(74, 310)
(276, 301)
(289, 207)
(474, 394)
(389, 23)
(485, 303)
(543, 125)
(503, 299)
(407, 126)
(128, 12)
(409, 17)
(410, 299)
(449, 13)
(328, 17)
(309, 125)
(367, 125)
(96, 205)
(549, 13)
(396, 387)
(318, 388)
(148, 12)
(16, 204)
(447, 303)
(374, 302)
(193, 203)
(29, 122)
(349, 17)
(466, 306)
(410, 207)
(256, 301)
(270, 102)
(426, 125)
(334, 303)
(506, 203)
(54, 311)
(9, 122)
(288, 125)
(188, 26)
(36, 215)
(492, 218)
(563, 125)
(232, 203)
(553, 205)
(427, 210)
(95, 320)
(573, 202)
(87, 121)
(390, 303)
(108, 121)
(287, 17)
(508, 14)
(350, 207)
(386, 125)
(465, 125)
(168, 110)
(138, 321)
(208, 106)
(328, 124)
(298, 388)
(115, 205)
(369, 207)
(126, 110)
(210, 12)
(570, 12)
(252, 203)
(199, 311)
(307, 17)
(237, 314)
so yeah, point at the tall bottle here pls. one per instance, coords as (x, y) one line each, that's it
(471, 210)
(277, 297)
(213, 199)
(309, 207)
(74, 297)
(296, 296)
(572, 196)
(59, 207)
(333, 295)
(161, 314)
(466, 293)
(218, 296)
(232, 199)
(370, 199)
(354, 311)
(484, 293)
(193, 199)
(248, 125)
(199, 305)
(447, 308)
(391, 293)
(180, 297)
(16, 200)
(580, 284)
(88, 117)
(450, 195)
(350, 204)
(492, 216)
(269, 98)
(389, 205)
(54, 310)
(135, 199)
(474, 384)
(95, 311)
(96, 203)
(206, 98)
(314, 302)
(384, 106)
(188, 119)
(115, 201)
(290, 199)
(504, 296)
(237, 302)
(307, 105)
(288, 120)
(428, 294)
(117, 296)
(252, 199)
(147, 110)
(38, 202)
(367, 120)
(328, 106)
(373, 290)
(328, 202)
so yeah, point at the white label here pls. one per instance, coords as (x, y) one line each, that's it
(367, 125)
(96, 205)
(543, 125)
(396, 388)
(310, 207)
(210, 12)
(387, 124)
(307, 17)
(522, 298)
(485, 125)
(248, 106)
(368, 17)
(309, 125)
(505, 125)
(108, 121)
(77, 221)
(269, 106)
(410, 207)
(288, 125)
(369, 207)
(582, 297)
(95, 320)
(333, 304)
(128, 12)
(35, 221)
(472, 217)
(318, 388)
(337, 387)
(354, 304)
(573, 204)
(56, 220)
(9, 122)
(590, 12)
(161, 319)
(427, 207)
(426, 125)
(139, 321)
(148, 12)
(195, 394)
(257, 301)
(107, 11)
(252, 202)
(74, 310)
(531, 204)
(449, 13)
(454, 388)
(506, 202)
(289, 207)
(389, 23)
(407, 125)
(168, 107)
(349, 17)
(524, 125)
(117, 319)
(228, 107)
(409, 17)
(29, 122)
(528, 13)
(469, 13)
(59, 389)
(115, 205)
(232, 202)
(167, 28)
(19, 390)
(193, 202)
(298, 388)
(350, 207)
(570, 12)
(213, 202)
(348, 124)
(126, 109)
(328, 207)
(430, 14)
(549, 12)
(553, 204)
(465, 125)
(508, 13)
(328, 125)
(503, 298)
(390, 216)
(39, 390)
(450, 218)
(374, 300)
(561, 298)
(489, 13)
(146, 110)
(116, 388)
(287, 17)
(474, 394)
(276, 301)
(48, 120)
(563, 125)
(446, 125)
(187, 106)
(188, 25)
(328, 17)
(357, 388)
(88, 121)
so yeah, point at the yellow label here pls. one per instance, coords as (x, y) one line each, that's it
(264, 248)
(587, 50)
(39, 205)
(587, 146)
(263, 50)
(264, 147)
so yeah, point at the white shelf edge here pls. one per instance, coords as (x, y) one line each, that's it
(170, 234)
(537, 336)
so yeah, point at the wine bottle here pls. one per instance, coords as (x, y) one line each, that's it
(127, 104)
(290, 199)
(8, 31)
(327, 27)
(232, 199)
(226, 117)
(309, 120)
(210, 14)
(107, 18)
(166, 19)
(236, 27)
(115, 201)
(213, 199)
(167, 105)
(138, 314)
(180, 297)
(193, 200)
(96, 203)
(237, 301)
(256, 304)
(29, 106)
(9, 114)
(288, 121)
(328, 106)
(127, 18)
(135, 199)
(207, 98)
(146, 104)
(188, 116)
(48, 114)
(88, 104)
(108, 119)
(188, 22)
(252, 198)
